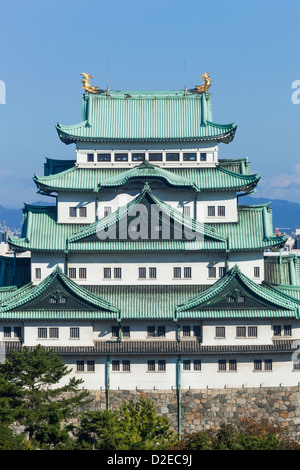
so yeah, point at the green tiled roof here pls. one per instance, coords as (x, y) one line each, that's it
(41, 232)
(200, 179)
(32, 302)
(146, 117)
(258, 301)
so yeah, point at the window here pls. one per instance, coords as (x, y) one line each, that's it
(197, 364)
(91, 366)
(161, 330)
(38, 273)
(151, 331)
(197, 331)
(152, 273)
(220, 331)
(151, 365)
(230, 299)
(155, 157)
(126, 366)
(121, 157)
(17, 332)
(257, 364)
(82, 212)
(74, 332)
(63, 300)
(187, 210)
(115, 365)
(222, 365)
(222, 271)
(52, 300)
(172, 157)
(232, 364)
(7, 332)
(203, 157)
(115, 331)
(126, 331)
(186, 330)
(296, 365)
(287, 330)
(189, 157)
(277, 330)
(42, 332)
(212, 272)
(142, 273)
(268, 364)
(72, 273)
(90, 157)
(117, 273)
(53, 332)
(252, 331)
(103, 157)
(138, 157)
(161, 365)
(80, 366)
(241, 331)
(211, 211)
(107, 211)
(72, 211)
(256, 271)
(186, 364)
(107, 273)
(82, 273)
(177, 273)
(221, 211)
(187, 272)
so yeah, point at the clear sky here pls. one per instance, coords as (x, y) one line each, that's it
(251, 49)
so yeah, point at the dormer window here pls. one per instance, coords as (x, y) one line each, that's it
(63, 300)
(52, 300)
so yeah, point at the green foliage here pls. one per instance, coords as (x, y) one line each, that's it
(10, 441)
(29, 389)
(244, 435)
(135, 426)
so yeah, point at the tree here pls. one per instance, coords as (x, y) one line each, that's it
(30, 389)
(135, 426)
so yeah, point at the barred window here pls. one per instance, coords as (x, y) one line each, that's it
(221, 211)
(126, 331)
(82, 212)
(161, 330)
(187, 272)
(7, 332)
(115, 365)
(257, 364)
(63, 300)
(287, 330)
(186, 330)
(256, 271)
(268, 364)
(177, 273)
(151, 365)
(80, 366)
(142, 273)
(161, 365)
(126, 366)
(72, 273)
(53, 332)
(197, 331)
(212, 272)
(252, 331)
(17, 332)
(91, 366)
(186, 364)
(232, 364)
(187, 210)
(151, 330)
(241, 331)
(152, 273)
(221, 271)
(211, 211)
(74, 332)
(220, 331)
(82, 273)
(38, 273)
(72, 212)
(107, 273)
(222, 364)
(107, 211)
(42, 332)
(115, 331)
(197, 364)
(277, 330)
(117, 273)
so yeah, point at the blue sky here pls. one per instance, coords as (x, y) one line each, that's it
(250, 48)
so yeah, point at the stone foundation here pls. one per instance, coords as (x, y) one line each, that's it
(204, 409)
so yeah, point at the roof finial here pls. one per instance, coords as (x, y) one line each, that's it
(206, 83)
(86, 83)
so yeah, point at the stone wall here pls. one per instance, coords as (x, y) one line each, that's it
(204, 409)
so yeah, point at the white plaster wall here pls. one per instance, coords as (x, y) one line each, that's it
(217, 198)
(65, 200)
(246, 262)
(138, 330)
(47, 262)
(85, 339)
